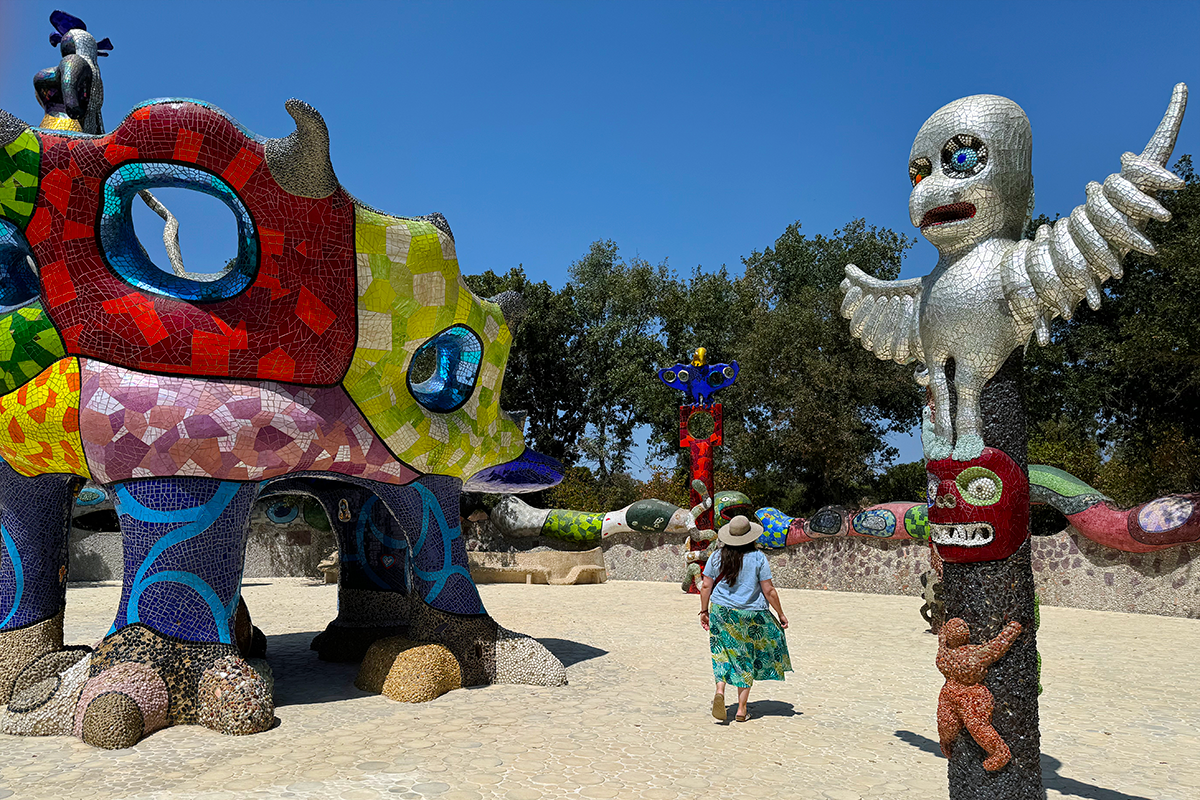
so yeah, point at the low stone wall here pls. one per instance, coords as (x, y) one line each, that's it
(1069, 570)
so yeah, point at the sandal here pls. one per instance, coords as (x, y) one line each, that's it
(745, 717)
(718, 707)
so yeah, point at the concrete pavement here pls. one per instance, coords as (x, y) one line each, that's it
(1120, 713)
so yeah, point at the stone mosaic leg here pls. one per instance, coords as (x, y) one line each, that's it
(35, 518)
(449, 610)
(375, 598)
(171, 657)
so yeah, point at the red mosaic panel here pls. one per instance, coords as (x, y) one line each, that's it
(296, 322)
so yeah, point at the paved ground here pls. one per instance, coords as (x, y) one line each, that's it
(1120, 717)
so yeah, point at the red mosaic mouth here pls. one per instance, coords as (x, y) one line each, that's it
(943, 214)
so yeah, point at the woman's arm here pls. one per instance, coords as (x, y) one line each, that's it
(768, 590)
(705, 592)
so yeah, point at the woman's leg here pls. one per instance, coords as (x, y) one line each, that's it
(743, 696)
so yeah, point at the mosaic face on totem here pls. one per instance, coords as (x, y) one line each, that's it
(972, 191)
(978, 511)
(340, 342)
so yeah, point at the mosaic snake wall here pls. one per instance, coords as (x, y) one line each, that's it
(1156, 525)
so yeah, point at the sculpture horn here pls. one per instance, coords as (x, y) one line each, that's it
(300, 161)
(513, 307)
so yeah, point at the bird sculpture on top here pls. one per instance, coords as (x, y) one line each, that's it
(72, 92)
(970, 168)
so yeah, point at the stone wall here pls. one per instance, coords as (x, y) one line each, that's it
(1069, 570)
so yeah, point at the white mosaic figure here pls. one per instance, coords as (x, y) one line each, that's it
(970, 167)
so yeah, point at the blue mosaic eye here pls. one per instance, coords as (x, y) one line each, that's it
(443, 371)
(964, 159)
(282, 512)
(963, 156)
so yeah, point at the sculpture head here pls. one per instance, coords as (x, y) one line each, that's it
(979, 509)
(954, 633)
(970, 167)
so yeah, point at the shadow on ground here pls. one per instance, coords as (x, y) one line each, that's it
(303, 679)
(1050, 777)
(569, 652)
(772, 708)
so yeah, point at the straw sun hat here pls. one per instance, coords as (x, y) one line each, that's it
(739, 530)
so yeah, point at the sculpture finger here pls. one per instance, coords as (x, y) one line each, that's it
(1113, 225)
(853, 297)
(1148, 175)
(1044, 277)
(1163, 141)
(1014, 281)
(1100, 257)
(1071, 266)
(1131, 201)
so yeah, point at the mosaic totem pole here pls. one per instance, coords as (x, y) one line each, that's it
(340, 345)
(967, 322)
(700, 429)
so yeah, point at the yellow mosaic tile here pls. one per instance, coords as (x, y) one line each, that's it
(40, 422)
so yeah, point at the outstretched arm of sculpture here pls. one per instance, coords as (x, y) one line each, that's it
(1068, 261)
(991, 652)
(885, 315)
(170, 231)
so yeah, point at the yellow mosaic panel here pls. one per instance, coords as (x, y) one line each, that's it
(409, 288)
(39, 423)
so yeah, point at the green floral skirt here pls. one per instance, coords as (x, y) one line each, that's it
(747, 646)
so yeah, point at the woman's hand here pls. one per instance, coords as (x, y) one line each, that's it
(782, 620)
(704, 620)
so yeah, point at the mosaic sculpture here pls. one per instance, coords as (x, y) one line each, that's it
(1159, 524)
(965, 703)
(972, 190)
(340, 342)
(967, 321)
(700, 380)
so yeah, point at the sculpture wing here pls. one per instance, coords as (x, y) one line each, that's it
(884, 314)
(1068, 261)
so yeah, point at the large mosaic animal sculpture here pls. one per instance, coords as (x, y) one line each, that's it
(970, 168)
(340, 342)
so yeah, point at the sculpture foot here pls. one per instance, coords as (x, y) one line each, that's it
(936, 447)
(968, 448)
(523, 659)
(120, 705)
(409, 672)
(20, 647)
(46, 693)
(997, 761)
(141, 681)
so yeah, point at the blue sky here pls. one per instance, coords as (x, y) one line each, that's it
(693, 132)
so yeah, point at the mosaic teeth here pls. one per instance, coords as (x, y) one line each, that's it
(969, 534)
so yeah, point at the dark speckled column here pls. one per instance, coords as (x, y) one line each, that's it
(987, 595)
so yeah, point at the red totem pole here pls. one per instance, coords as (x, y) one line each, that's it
(700, 429)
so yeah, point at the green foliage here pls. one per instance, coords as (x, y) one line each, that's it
(803, 424)
(902, 482)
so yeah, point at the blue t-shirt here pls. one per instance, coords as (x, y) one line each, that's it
(745, 593)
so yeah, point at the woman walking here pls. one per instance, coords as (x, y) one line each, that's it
(747, 643)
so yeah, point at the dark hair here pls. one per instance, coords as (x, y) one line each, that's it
(731, 560)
